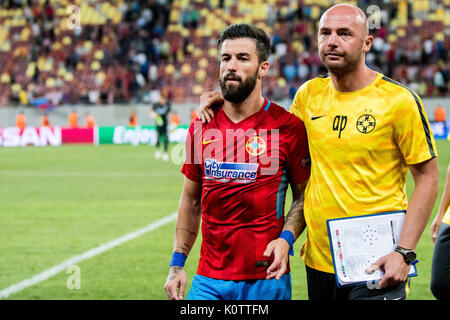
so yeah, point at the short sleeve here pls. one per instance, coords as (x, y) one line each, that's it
(412, 130)
(298, 159)
(192, 164)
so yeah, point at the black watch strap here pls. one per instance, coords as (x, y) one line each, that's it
(409, 255)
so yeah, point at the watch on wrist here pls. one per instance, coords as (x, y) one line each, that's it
(409, 255)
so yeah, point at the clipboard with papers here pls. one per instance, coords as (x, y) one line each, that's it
(357, 242)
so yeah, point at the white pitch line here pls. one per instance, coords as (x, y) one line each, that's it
(86, 255)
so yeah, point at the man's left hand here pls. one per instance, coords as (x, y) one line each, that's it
(280, 250)
(395, 269)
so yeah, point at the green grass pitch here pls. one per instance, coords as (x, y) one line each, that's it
(58, 202)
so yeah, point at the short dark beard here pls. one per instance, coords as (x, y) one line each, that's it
(343, 70)
(348, 67)
(237, 94)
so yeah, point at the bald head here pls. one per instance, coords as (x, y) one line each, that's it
(348, 13)
(344, 39)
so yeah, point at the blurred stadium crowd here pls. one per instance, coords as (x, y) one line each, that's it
(133, 51)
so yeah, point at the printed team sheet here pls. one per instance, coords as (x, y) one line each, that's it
(358, 242)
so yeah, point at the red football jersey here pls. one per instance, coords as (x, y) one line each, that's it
(244, 169)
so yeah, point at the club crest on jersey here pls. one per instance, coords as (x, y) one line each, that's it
(365, 123)
(255, 145)
(230, 171)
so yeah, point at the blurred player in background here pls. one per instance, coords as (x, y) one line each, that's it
(174, 121)
(193, 114)
(364, 131)
(160, 112)
(237, 173)
(73, 119)
(440, 234)
(439, 114)
(89, 121)
(45, 122)
(21, 120)
(132, 122)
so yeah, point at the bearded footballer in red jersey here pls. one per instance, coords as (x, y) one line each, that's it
(237, 171)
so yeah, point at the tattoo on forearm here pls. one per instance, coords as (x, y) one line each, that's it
(175, 270)
(183, 247)
(187, 230)
(295, 219)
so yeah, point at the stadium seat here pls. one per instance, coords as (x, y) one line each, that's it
(186, 47)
